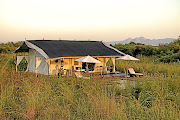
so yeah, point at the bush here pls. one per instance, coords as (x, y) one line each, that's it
(164, 52)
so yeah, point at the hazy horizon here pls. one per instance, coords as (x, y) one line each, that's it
(106, 20)
(88, 39)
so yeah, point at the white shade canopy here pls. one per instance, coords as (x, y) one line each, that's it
(127, 57)
(88, 59)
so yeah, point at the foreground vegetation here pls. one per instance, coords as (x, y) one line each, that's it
(154, 96)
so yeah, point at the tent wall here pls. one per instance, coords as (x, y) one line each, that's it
(43, 68)
(57, 64)
(69, 64)
(37, 63)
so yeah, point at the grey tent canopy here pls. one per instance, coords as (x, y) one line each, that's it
(58, 48)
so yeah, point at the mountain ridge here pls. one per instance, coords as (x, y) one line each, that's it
(143, 40)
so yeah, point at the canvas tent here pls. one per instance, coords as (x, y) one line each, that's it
(49, 56)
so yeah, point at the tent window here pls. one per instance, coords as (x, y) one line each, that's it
(90, 66)
(22, 66)
(83, 65)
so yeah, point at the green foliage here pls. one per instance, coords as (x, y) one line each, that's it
(9, 47)
(136, 49)
(164, 52)
(169, 52)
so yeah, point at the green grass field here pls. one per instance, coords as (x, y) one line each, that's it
(152, 97)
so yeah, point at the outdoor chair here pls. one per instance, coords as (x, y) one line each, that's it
(132, 73)
(79, 75)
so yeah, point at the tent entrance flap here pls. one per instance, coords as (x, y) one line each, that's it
(24, 61)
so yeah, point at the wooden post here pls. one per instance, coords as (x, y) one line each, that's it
(49, 64)
(113, 60)
(70, 66)
(35, 67)
(87, 69)
(24, 61)
(127, 67)
(16, 62)
(104, 70)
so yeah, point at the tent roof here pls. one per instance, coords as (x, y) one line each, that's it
(60, 48)
(22, 48)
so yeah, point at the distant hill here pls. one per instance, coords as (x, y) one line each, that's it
(153, 42)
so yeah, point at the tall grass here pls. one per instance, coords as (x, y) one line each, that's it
(25, 96)
(147, 66)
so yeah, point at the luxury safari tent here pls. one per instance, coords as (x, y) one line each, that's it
(54, 57)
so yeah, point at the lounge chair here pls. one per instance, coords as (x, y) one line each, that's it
(79, 75)
(132, 73)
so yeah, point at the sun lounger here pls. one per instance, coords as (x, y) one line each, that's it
(79, 75)
(132, 73)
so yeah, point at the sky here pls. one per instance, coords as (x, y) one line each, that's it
(105, 20)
